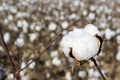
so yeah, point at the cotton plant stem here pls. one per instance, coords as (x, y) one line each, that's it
(8, 54)
(94, 61)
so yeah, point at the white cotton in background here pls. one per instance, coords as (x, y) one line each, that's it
(23, 64)
(32, 25)
(25, 26)
(54, 54)
(48, 75)
(38, 28)
(91, 16)
(118, 31)
(64, 24)
(19, 42)
(109, 34)
(84, 12)
(96, 74)
(5, 21)
(82, 74)
(10, 17)
(91, 64)
(33, 36)
(118, 55)
(13, 9)
(91, 72)
(1, 48)
(118, 39)
(92, 8)
(10, 76)
(7, 37)
(64, 32)
(56, 61)
(52, 26)
(103, 25)
(68, 76)
(1, 8)
(19, 23)
(13, 27)
(52, 34)
(47, 63)
(73, 16)
(32, 65)
(76, 3)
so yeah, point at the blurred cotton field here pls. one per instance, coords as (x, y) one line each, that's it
(30, 25)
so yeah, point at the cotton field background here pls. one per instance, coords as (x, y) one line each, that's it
(30, 25)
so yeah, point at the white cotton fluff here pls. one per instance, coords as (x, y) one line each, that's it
(118, 55)
(82, 41)
(19, 42)
(56, 61)
(82, 74)
(68, 76)
(109, 34)
(33, 36)
(7, 37)
(52, 26)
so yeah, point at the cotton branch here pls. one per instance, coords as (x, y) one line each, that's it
(41, 53)
(8, 55)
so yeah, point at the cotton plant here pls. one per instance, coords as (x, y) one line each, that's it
(83, 44)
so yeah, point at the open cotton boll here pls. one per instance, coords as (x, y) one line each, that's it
(82, 42)
(91, 29)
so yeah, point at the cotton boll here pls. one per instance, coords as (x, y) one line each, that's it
(54, 54)
(19, 42)
(38, 28)
(7, 37)
(118, 56)
(91, 16)
(91, 72)
(64, 24)
(82, 74)
(118, 39)
(92, 29)
(10, 76)
(84, 12)
(68, 76)
(56, 61)
(82, 43)
(109, 34)
(33, 36)
(52, 26)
